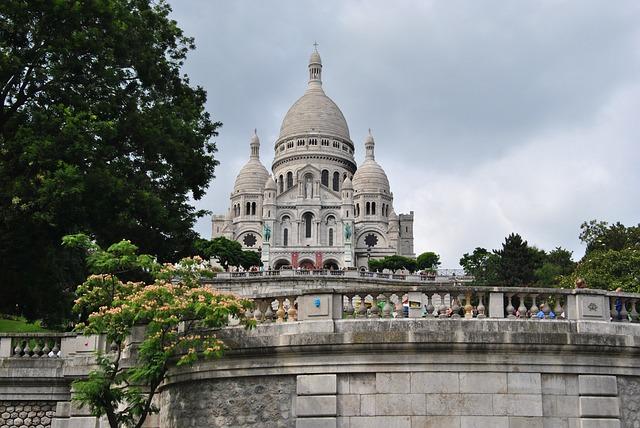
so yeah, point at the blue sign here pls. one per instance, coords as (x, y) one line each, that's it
(316, 302)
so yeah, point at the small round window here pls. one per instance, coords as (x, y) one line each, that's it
(249, 240)
(371, 240)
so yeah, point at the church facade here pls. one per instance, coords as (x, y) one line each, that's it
(317, 209)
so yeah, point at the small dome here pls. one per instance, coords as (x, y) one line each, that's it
(347, 184)
(270, 184)
(253, 175)
(370, 177)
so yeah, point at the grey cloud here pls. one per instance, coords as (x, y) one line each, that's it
(513, 116)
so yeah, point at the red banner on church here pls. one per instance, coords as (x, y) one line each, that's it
(319, 260)
(294, 259)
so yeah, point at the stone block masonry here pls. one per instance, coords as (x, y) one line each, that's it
(26, 414)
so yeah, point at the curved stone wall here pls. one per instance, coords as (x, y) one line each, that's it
(413, 373)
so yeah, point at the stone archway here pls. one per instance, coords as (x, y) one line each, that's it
(330, 265)
(307, 264)
(280, 263)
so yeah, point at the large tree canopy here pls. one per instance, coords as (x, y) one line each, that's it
(99, 132)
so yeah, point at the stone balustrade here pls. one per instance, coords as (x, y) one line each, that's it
(49, 345)
(442, 301)
(443, 275)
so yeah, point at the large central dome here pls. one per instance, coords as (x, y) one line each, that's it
(314, 112)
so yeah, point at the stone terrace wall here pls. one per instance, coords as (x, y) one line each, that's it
(414, 374)
(26, 414)
(242, 402)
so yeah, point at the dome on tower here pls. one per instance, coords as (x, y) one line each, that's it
(314, 112)
(370, 177)
(253, 175)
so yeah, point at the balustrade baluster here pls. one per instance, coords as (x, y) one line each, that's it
(468, 308)
(375, 310)
(56, 349)
(624, 315)
(26, 351)
(349, 309)
(362, 309)
(257, 314)
(546, 306)
(634, 312)
(280, 312)
(429, 307)
(481, 309)
(46, 349)
(442, 310)
(455, 306)
(268, 313)
(522, 309)
(292, 313)
(510, 308)
(17, 351)
(612, 309)
(534, 307)
(387, 309)
(558, 309)
(37, 350)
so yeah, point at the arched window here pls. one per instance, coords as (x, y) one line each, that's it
(336, 181)
(289, 180)
(281, 183)
(357, 210)
(331, 237)
(253, 208)
(285, 237)
(368, 208)
(373, 208)
(308, 217)
(325, 178)
(247, 209)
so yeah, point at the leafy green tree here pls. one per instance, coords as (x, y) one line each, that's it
(101, 132)
(227, 251)
(608, 270)
(250, 259)
(176, 312)
(482, 265)
(393, 263)
(557, 263)
(600, 235)
(518, 261)
(612, 257)
(428, 260)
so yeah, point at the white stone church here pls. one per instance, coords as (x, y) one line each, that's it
(318, 209)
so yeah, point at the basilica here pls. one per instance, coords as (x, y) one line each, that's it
(318, 209)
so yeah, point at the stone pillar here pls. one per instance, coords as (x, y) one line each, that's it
(265, 256)
(415, 304)
(320, 307)
(496, 305)
(593, 307)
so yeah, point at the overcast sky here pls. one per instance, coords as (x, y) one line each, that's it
(490, 117)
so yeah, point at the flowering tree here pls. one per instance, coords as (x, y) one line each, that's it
(178, 315)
